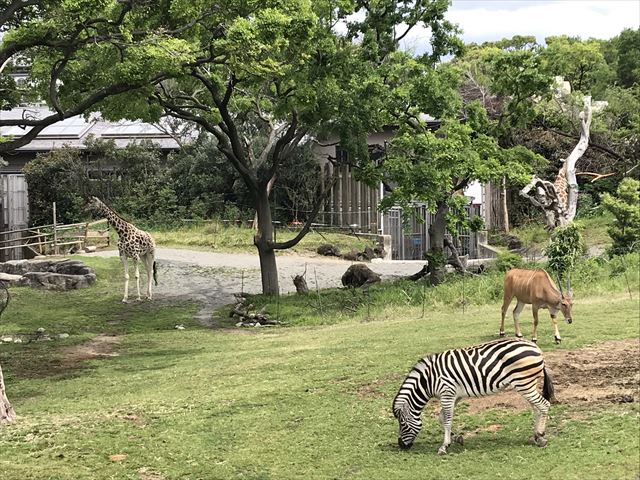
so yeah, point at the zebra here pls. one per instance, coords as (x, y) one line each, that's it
(472, 372)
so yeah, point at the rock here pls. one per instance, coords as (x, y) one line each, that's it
(48, 274)
(40, 330)
(328, 250)
(513, 243)
(358, 275)
(7, 339)
(90, 249)
(352, 256)
(180, 327)
(17, 340)
(63, 335)
(239, 324)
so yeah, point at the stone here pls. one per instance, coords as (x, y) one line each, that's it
(40, 330)
(358, 275)
(180, 327)
(7, 339)
(63, 335)
(328, 250)
(17, 340)
(48, 274)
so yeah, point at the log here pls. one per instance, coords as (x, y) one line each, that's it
(300, 284)
(7, 413)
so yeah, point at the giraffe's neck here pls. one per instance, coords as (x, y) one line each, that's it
(115, 221)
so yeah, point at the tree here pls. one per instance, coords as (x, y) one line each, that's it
(266, 76)
(7, 413)
(624, 206)
(75, 55)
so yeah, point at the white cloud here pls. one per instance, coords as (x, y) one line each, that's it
(487, 21)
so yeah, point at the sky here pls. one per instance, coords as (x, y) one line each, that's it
(489, 20)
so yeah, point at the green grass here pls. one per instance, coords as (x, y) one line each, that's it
(283, 403)
(593, 230)
(218, 237)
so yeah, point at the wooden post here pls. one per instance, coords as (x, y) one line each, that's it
(505, 212)
(86, 234)
(55, 231)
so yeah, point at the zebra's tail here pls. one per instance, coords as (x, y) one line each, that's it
(155, 273)
(547, 387)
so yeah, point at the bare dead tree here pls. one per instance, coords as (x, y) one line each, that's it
(559, 199)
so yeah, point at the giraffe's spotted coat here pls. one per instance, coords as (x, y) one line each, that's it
(133, 243)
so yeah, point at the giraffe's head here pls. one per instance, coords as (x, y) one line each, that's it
(94, 205)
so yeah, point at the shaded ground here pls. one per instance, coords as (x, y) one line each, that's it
(212, 279)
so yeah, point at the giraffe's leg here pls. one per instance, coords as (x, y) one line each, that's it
(125, 264)
(448, 402)
(136, 263)
(148, 264)
(505, 306)
(534, 337)
(516, 314)
(540, 407)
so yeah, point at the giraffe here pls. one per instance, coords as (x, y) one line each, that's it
(562, 190)
(132, 243)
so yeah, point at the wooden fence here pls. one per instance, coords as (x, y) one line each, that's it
(52, 239)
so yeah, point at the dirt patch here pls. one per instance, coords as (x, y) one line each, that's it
(605, 373)
(101, 346)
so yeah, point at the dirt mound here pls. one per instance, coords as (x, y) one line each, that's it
(605, 373)
(101, 346)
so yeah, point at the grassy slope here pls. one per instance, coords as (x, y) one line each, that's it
(298, 402)
(213, 236)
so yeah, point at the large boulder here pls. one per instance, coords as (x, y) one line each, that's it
(49, 274)
(358, 275)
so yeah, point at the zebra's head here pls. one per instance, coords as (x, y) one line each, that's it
(410, 424)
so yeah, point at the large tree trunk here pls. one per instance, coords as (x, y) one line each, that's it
(263, 240)
(435, 256)
(559, 199)
(7, 413)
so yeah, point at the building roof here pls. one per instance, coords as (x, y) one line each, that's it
(74, 131)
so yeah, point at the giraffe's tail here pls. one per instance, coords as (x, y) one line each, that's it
(155, 273)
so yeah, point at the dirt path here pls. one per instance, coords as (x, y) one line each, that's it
(211, 278)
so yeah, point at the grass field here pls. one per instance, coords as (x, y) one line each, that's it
(285, 403)
(218, 237)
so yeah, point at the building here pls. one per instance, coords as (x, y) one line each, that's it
(72, 132)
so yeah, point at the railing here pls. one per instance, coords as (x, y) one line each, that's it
(54, 239)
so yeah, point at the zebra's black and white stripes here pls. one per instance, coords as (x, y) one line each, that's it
(472, 372)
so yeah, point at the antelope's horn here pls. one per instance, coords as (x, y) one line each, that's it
(559, 284)
(569, 283)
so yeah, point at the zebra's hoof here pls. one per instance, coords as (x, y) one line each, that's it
(459, 439)
(538, 440)
(442, 450)
(558, 340)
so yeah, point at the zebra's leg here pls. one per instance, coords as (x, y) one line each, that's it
(540, 407)
(446, 419)
(534, 337)
(125, 264)
(505, 306)
(516, 314)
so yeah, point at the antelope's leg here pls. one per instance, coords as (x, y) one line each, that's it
(556, 332)
(516, 314)
(534, 337)
(505, 306)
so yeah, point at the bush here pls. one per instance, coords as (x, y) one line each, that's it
(507, 261)
(625, 207)
(58, 176)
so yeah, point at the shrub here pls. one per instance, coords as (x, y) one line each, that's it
(507, 261)
(625, 232)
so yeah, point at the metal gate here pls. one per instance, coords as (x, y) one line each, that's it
(14, 211)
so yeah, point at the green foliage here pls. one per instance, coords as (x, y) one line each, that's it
(625, 207)
(508, 260)
(58, 176)
(564, 249)
(238, 406)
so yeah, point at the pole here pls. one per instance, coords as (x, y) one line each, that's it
(55, 231)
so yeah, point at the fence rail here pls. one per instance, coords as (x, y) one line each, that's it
(53, 239)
